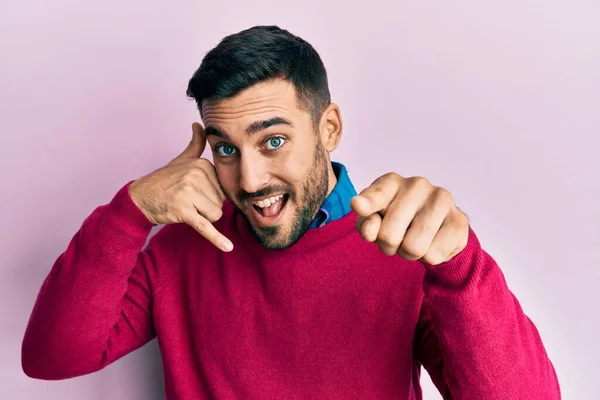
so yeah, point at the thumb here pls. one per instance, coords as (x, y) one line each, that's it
(196, 146)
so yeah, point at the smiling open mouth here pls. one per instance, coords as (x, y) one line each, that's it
(270, 207)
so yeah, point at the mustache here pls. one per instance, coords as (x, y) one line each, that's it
(265, 192)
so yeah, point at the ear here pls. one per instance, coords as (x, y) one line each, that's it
(330, 127)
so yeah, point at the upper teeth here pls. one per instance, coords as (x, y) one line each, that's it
(267, 202)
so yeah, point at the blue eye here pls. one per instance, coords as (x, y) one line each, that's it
(226, 150)
(275, 143)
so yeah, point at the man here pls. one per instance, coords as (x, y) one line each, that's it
(272, 278)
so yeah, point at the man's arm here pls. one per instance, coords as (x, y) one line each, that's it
(473, 337)
(95, 304)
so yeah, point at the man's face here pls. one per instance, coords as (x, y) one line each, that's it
(271, 160)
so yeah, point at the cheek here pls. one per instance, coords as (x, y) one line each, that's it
(300, 158)
(290, 167)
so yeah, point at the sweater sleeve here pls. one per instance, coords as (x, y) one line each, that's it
(95, 304)
(474, 339)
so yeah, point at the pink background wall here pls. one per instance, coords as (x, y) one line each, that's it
(500, 103)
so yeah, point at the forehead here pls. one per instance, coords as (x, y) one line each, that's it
(275, 98)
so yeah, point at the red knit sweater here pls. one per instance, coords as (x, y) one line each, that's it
(329, 318)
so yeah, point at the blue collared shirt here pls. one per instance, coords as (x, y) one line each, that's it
(337, 204)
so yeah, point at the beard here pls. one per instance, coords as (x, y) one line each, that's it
(315, 187)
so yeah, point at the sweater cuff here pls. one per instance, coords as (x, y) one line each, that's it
(459, 270)
(122, 220)
(123, 202)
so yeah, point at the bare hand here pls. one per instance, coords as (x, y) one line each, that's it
(412, 218)
(185, 190)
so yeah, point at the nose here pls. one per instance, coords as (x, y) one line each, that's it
(253, 173)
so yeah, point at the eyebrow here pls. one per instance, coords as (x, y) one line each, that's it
(258, 126)
(211, 130)
(253, 128)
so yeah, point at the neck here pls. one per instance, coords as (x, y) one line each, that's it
(332, 178)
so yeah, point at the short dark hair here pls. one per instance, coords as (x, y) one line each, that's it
(258, 54)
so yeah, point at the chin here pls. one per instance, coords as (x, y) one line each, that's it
(273, 237)
(279, 231)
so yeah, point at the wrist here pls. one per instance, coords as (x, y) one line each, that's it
(135, 194)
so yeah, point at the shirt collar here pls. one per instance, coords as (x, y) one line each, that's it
(337, 204)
